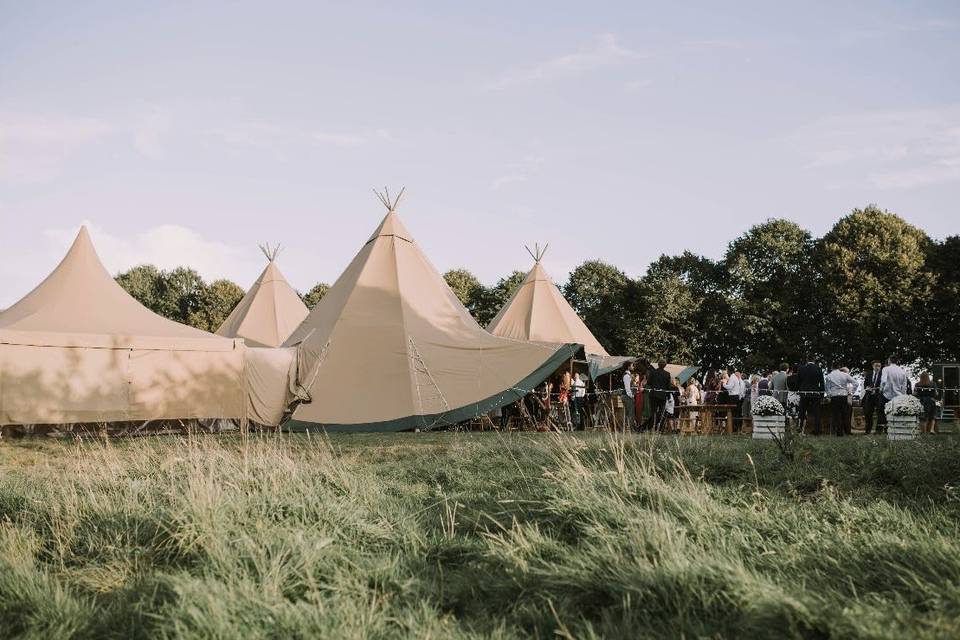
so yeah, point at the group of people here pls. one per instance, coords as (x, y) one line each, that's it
(652, 396)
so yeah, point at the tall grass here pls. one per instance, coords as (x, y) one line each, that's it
(454, 535)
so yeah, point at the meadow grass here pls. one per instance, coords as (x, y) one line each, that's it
(479, 536)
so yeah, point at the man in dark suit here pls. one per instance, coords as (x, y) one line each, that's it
(810, 381)
(660, 383)
(873, 400)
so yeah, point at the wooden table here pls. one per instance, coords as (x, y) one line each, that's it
(708, 416)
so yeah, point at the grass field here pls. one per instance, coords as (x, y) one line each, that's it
(479, 535)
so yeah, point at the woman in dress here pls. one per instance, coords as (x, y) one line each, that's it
(638, 399)
(711, 387)
(928, 394)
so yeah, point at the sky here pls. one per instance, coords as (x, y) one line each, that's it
(189, 133)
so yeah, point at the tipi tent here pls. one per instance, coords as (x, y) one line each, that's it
(537, 311)
(270, 311)
(78, 348)
(390, 347)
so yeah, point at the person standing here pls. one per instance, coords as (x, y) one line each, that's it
(873, 400)
(627, 396)
(837, 391)
(579, 393)
(893, 380)
(639, 398)
(764, 386)
(735, 389)
(811, 387)
(927, 392)
(778, 383)
(659, 390)
(851, 387)
(711, 388)
(693, 397)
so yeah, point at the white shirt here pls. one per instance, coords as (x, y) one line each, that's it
(735, 386)
(893, 381)
(628, 383)
(579, 388)
(837, 382)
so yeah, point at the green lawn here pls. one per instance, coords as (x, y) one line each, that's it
(479, 535)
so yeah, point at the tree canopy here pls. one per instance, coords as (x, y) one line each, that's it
(872, 286)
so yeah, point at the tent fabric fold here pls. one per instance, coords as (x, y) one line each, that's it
(79, 349)
(390, 347)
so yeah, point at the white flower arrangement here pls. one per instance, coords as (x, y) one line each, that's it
(904, 406)
(767, 406)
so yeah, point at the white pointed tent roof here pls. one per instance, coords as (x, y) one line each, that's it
(538, 311)
(80, 304)
(390, 347)
(268, 313)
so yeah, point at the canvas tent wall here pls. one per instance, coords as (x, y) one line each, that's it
(269, 312)
(537, 311)
(79, 349)
(390, 347)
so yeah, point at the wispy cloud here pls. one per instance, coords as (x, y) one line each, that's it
(32, 147)
(150, 130)
(887, 149)
(907, 27)
(605, 52)
(256, 134)
(167, 246)
(517, 172)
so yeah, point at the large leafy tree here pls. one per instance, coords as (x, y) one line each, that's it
(942, 317)
(214, 304)
(599, 292)
(467, 288)
(667, 306)
(491, 300)
(875, 288)
(143, 283)
(676, 309)
(182, 295)
(770, 286)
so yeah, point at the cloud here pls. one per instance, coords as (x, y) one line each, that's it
(32, 147)
(518, 171)
(257, 134)
(149, 132)
(606, 52)
(887, 149)
(167, 246)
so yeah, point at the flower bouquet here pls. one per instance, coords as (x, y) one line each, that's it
(768, 406)
(904, 406)
(768, 418)
(902, 416)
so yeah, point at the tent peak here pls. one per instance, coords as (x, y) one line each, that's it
(270, 252)
(537, 253)
(386, 200)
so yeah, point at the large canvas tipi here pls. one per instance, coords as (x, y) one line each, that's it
(269, 312)
(537, 311)
(79, 349)
(390, 347)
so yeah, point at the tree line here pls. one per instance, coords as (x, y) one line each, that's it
(873, 285)
(183, 295)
